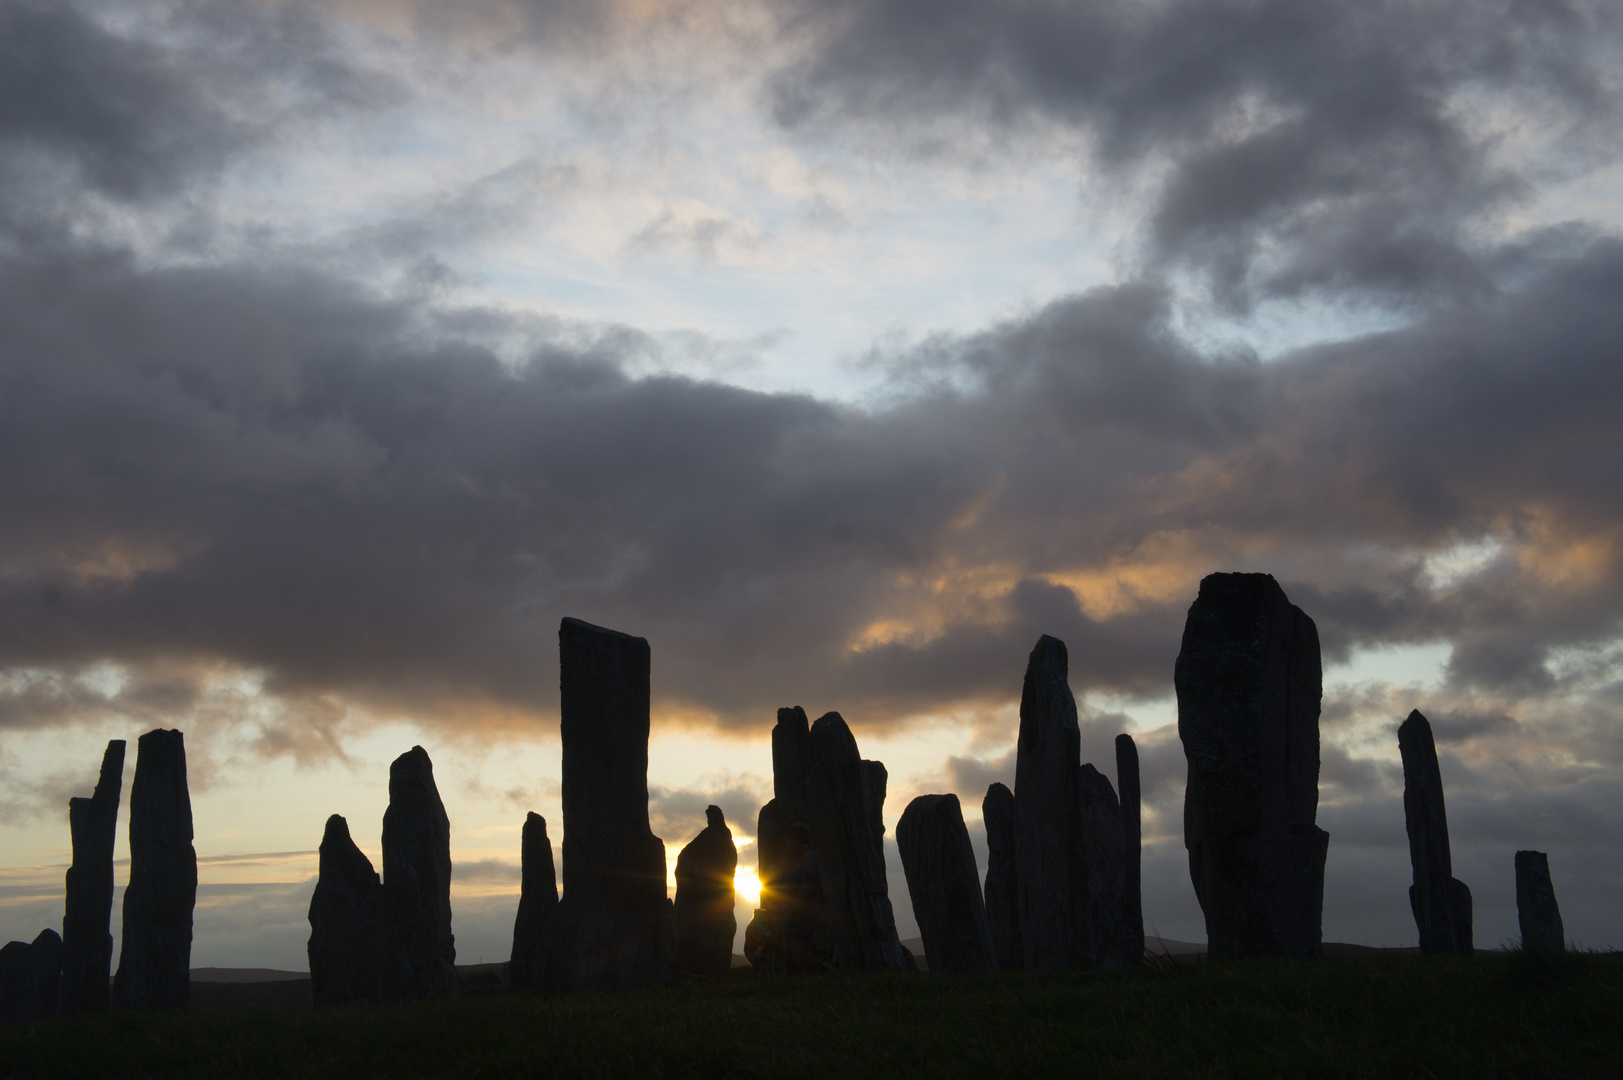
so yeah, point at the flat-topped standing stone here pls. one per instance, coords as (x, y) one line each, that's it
(945, 886)
(1049, 876)
(1248, 684)
(87, 941)
(705, 923)
(154, 962)
(30, 978)
(791, 766)
(1441, 903)
(1132, 932)
(1002, 914)
(1102, 934)
(537, 900)
(1536, 909)
(417, 876)
(349, 923)
(614, 927)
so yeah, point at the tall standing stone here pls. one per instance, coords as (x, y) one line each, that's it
(537, 900)
(1049, 876)
(417, 875)
(87, 940)
(614, 927)
(1002, 914)
(30, 978)
(791, 768)
(705, 897)
(1248, 685)
(1536, 909)
(1131, 801)
(1101, 934)
(154, 963)
(350, 919)
(945, 886)
(1441, 902)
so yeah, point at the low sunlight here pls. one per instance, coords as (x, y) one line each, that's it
(747, 884)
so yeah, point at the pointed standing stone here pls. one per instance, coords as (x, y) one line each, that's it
(1002, 916)
(945, 886)
(538, 899)
(87, 940)
(1536, 909)
(417, 875)
(614, 927)
(1049, 877)
(705, 923)
(30, 978)
(1248, 685)
(349, 923)
(1104, 865)
(1132, 932)
(1441, 903)
(154, 963)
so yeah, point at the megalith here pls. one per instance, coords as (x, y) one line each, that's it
(1002, 914)
(537, 900)
(154, 962)
(1248, 686)
(945, 885)
(705, 897)
(1102, 933)
(87, 939)
(1536, 909)
(349, 923)
(614, 927)
(791, 768)
(1048, 873)
(1441, 903)
(417, 874)
(1132, 931)
(30, 978)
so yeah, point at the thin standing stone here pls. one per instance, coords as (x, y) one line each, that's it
(1132, 931)
(1441, 903)
(154, 964)
(945, 886)
(538, 899)
(1049, 876)
(1536, 909)
(87, 939)
(1002, 914)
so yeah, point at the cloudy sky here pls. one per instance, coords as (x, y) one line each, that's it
(840, 349)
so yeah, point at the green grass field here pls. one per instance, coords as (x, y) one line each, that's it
(1499, 1015)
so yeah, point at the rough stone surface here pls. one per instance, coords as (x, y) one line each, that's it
(1440, 902)
(417, 874)
(349, 923)
(538, 899)
(1536, 909)
(705, 923)
(1102, 933)
(87, 939)
(30, 978)
(1002, 914)
(945, 885)
(1248, 686)
(614, 927)
(1132, 929)
(1048, 872)
(154, 963)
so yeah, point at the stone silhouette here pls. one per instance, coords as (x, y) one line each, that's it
(614, 927)
(705, 923)
(1132, 927)
(349, 923)
(1102, 936)
(30, 978)
(1441, 903)
(87, 940)
(945, 885)
(1536, 909)
(1002, 913)
(1049, 876)
(537, 900)
(1248, 686)
(791, 768)
(417, 875)
(154, 963)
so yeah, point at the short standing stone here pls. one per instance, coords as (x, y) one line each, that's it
(1002, 916)
(349, 923)
(538, 898)
(1048, 872)
(417, 877)
(1104, 862)
(30, 978)
(87, 941)
(1248, 685)
(945, 886)
(154, 963)
(1440, 902)
(705, 923)
(1132, 932)
(1539, 914)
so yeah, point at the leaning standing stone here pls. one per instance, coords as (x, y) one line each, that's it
(1104, 864)
(87, 941)
(1132, 930)
(705, 923)
(1002, 918)
(417, 877)
(1441, 903)
(538, 899)
(1047, 847)
(944, 884)
(349, 923)
(154, 963)
(1536, 909)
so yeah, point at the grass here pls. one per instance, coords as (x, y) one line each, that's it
(1508, 1015)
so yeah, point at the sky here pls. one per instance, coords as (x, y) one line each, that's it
(839, 349)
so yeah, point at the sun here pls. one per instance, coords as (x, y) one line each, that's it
(747, 884)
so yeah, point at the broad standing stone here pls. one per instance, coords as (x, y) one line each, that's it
(1441, 903)
(417, 875)
(614, 927)
(30, 978)
(1536, 909)
(1049, 876)
(87, 940)
(945, 886)
(1248, 684)
(537, 900)
(349, 923)
(154, 963)
(1133, 898)
(1104, 864)
(705, 923)
(1002, 915)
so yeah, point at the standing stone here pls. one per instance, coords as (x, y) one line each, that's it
(614, 927)
(1002, 914)
(537, 900)
(87, 940)
(1536, 909)
(1441, 903)
(1049, 876)
(30, 978)
(349, 923)
(945, 886)
(705, 923)
(1132, 931)
(1102, 929)
(791, 767)
(1248, 685)
(417, 875)
(154, 963)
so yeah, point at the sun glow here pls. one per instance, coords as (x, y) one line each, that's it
(747, 884)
